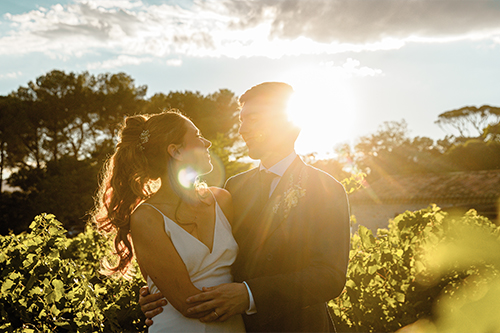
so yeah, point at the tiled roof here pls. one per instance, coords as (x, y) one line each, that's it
(477, 186)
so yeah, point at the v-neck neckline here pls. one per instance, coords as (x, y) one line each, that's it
(214, 232)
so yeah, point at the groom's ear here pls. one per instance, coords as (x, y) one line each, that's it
(174, 151)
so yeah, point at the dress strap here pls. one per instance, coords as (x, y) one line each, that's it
(159, 211)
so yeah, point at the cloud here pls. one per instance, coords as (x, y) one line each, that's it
(351, 68)
(12, 75)
(122, 60)
(215, 28)
(362, 21)
(174, 62)
(124, 27)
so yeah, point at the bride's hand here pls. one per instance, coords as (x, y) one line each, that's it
(223, 301)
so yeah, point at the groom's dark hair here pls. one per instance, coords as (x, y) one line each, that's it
(278, 95)
(272, 92)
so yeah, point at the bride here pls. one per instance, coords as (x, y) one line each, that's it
(180, 233)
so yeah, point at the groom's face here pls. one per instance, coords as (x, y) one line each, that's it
(263, 126)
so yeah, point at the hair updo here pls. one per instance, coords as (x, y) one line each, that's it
(140, 157)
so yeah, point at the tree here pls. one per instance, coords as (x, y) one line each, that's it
(116, 97)
(59, 130)
(391, 151)
(27, 130)
(59, 99)
(470, 121)
(492, 132)
(212, 114)
(7, 137)
(65, 188)
(474, 154)
(73, 114)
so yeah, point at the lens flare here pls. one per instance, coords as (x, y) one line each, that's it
(187, 177)
(218, 174)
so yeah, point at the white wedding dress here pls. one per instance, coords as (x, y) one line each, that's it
(206, 269)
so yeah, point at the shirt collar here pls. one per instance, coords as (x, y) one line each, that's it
(280, 167)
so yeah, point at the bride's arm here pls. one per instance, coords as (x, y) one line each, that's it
(159, 259)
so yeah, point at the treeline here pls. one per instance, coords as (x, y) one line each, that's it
(475, 146)
(392, 151)
(56, 132)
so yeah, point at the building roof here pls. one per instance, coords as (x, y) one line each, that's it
(466, 186)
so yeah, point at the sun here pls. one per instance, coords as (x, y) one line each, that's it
(323, 106)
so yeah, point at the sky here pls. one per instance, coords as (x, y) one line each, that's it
(354, 64)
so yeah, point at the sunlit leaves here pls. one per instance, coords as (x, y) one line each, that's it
(396, 278)
(471, 248)
(50, 283)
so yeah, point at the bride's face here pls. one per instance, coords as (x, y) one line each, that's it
(193, 153)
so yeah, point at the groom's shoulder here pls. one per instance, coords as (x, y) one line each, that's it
(316, 175)
(238, 182)
(242, 175)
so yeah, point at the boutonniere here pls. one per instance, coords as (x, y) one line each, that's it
(291, 196)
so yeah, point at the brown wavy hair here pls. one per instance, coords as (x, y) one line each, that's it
(128, 174)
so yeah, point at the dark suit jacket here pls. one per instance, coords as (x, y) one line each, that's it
(293, 261)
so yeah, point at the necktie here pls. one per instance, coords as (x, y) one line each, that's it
(266, 178)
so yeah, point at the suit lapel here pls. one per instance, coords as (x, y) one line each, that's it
(270, 218)
(247, 208)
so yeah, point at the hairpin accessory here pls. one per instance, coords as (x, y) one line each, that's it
(144, 138)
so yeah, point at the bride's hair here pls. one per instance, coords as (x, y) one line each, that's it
(140, 158)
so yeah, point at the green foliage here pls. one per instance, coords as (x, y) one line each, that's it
(471, 245)
(50, 283)
(390, 285)
(430, 270)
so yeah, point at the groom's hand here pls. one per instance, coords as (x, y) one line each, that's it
(223, 301)
(151, 304)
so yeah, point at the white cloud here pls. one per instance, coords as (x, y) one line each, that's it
(12, 75)
(122, 60)
(111, 4)
(351, 67)
(174, 62)
(270, 28)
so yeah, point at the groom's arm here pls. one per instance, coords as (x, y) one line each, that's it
(151, 304)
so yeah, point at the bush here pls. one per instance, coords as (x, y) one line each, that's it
(429, 269)
(52, 283)
(471, 245)
(391, 280)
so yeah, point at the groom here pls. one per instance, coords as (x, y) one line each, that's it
(291, 222)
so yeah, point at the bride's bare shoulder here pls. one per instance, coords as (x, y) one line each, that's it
(224, 200)
(222, 195)
(143, 215)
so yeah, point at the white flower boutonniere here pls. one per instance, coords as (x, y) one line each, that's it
(291, 196)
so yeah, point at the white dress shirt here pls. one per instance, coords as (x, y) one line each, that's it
(279, 170)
